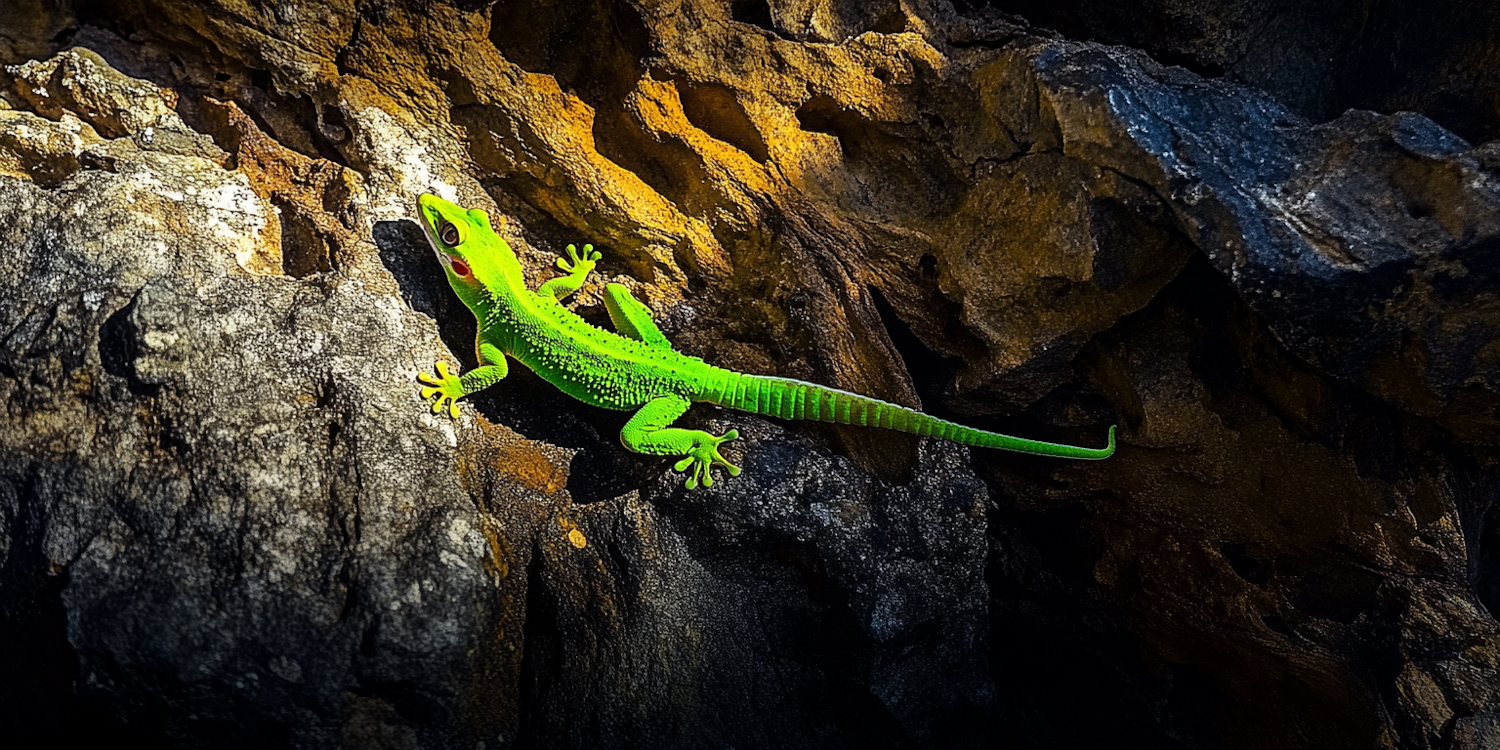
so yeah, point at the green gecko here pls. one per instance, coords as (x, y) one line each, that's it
(636, 368)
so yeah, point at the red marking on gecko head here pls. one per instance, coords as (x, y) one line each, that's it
(459, 267)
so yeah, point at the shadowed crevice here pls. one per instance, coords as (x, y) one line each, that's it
(715, 110)
(596, 50)
(757, 13)
(38, 670)
(119, 346)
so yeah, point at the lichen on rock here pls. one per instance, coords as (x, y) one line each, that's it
(225, 516)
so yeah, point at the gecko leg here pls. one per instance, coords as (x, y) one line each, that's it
(577, 268)
(631, 318)
(449, 388)
(647, 432)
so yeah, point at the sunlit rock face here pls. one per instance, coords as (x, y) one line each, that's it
(227, 519)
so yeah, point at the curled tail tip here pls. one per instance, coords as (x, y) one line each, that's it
(1094, 454)
(1108, 450)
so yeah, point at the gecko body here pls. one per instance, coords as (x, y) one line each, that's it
(635, 367)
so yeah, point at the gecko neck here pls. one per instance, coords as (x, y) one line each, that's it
(490, 298)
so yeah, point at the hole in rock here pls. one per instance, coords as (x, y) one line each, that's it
(892, 21)
(331, 123)
(1278, 625)
(1487, 561)
(1245, 566)
(931, 373)
(821, 114)
(118, 348)
(303, 250)
(715, 110)
(754, 12)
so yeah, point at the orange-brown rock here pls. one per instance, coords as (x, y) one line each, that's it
(226, 518)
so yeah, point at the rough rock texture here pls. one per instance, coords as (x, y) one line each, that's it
(1320, 59)
(226, 520)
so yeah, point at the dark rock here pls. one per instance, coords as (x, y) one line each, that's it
(802, 604)
(226, 519)
(1319, 59)
(1367, 243)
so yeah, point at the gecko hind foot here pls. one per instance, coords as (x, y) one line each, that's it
(701, 458)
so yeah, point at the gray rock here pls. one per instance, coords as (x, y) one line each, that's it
(226, 518)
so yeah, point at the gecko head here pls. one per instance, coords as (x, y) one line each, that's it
(475, 258)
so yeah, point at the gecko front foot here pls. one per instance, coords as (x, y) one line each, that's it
(446, 386)
(575, 263)
(701, 458)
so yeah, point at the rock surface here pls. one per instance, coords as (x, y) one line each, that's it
(1319, 59)
(226, 520)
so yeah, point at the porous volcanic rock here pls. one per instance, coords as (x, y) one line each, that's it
(226, 518)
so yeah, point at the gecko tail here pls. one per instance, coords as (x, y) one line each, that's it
(794, 399)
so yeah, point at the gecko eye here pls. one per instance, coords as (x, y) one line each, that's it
(449, 234)
(459, 267)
